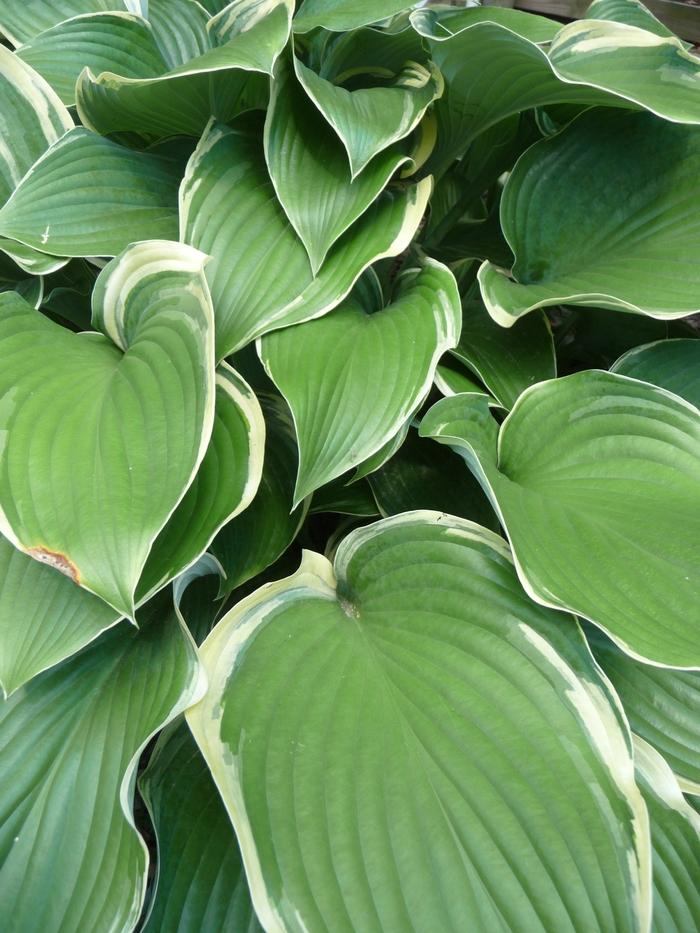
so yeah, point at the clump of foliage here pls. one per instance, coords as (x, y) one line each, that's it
(349, 468)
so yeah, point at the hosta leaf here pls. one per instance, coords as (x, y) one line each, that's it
(32, 118)
(70, 858)
(675, 842)
(422, 475)
(370, 119)
(88, 196)
(354, 377)
(179, 29)
(103, 436)
(44, 617)
(507, 361)
(31, 260)
(244, 39)
(634, 246)
(345, 499)
(226, 190)
(662, 706)
(21, 22)
(451, 380)
(387, 450)
(438, 713)
(118, 42)
(631, 12)
(309, 167)
(224, 485)
(601, 511)
(201, 885)
(671, 364)
(196, 596)
(255, 539)
(342, 15)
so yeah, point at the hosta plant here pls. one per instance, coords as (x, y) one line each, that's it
(349, 468)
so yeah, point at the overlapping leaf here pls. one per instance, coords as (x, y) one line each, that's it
(671, 364)
(415, 655)
(342, 15)
(354, 377)
(595, 479)
(103, 434)
(227, 190)
(606, 213)
(22, 22)
(70, 857)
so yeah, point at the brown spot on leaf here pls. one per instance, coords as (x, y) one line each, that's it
(56, 560)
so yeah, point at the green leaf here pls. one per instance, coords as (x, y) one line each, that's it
(44, 617)
(675, 841)
(88, 196)
(631, 246)
(507, 361)
(179, 29)
(225, 484)
(437, 713)
(103, 434)
(308, 166)
(32, 118)
(600, 511)
(370, 119)
(118, 42)
(671, 364)
(345, 499)
(342, 15)
(22, 22)
(244, 40)
(70, 857)
(452, 380)
(354, 377)
(201, 885)
(662, 706)
(255, 539)
(422, 475)
(631, 12)
(226, 190)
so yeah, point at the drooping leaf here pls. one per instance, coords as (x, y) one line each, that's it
(675, 843)
(601, 511)
(255, 539)
(103, 434)
(507, 361)
(662, 706)
(244, 40)
(418, 654)
(201, 885)
(354, 377)
(308, 166)
(22, 22)
(44, 617)
(634, 246)
(70, 857)
(422, 475)
(115, 42)
(89, 196)
(227, 190)
(224, 485)
(343, 15)
(370, 119)
(671, 364)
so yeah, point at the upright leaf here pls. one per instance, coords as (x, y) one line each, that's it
(70, 857)
(103, 434)
(601, 509)
(437, 713)
(354, 377)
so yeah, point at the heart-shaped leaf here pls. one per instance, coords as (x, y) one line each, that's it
(44, 617)
(601, 511)
(90, 196)
(70, 857)
(675, 841)
(418, 654)
(308, 166)
(662, 706)
(227, 189)
(103, 434)
(606, 213)
(671, 364)
(354, 377)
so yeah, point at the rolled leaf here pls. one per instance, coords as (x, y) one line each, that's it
(417, 653)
